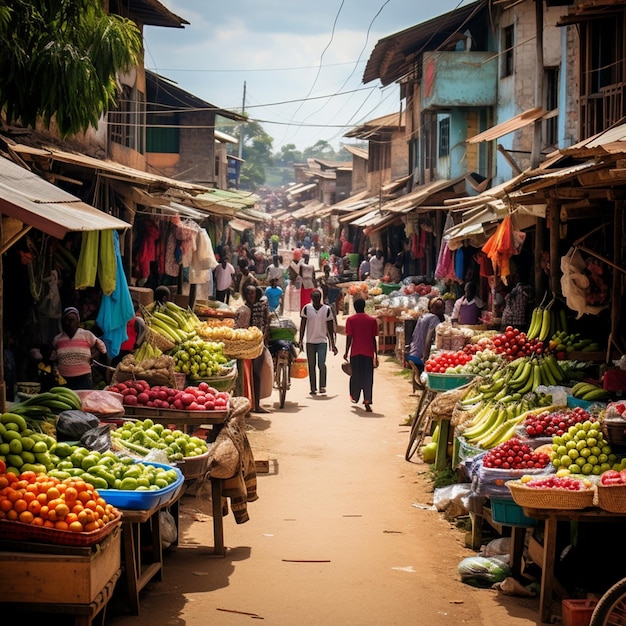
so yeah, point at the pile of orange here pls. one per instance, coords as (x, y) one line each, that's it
(41, 500)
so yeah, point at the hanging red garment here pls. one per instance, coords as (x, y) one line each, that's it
(500, 247)
(484, 264)
(147, 251)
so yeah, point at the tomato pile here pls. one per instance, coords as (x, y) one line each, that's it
(556, 482)
(513, 454)
(200, 398)
(556, 423)
(439, 363)
(514, 342)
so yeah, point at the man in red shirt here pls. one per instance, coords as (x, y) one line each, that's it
(361, 334)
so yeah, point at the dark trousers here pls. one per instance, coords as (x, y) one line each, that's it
(222, 296)
(362, 379)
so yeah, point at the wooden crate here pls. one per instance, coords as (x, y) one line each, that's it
(69, 576)
(387, 334)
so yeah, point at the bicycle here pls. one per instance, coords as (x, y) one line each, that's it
(282, 345)
(282, 374)
(611, 608)
(420, 424)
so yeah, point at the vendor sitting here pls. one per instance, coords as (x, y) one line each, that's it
(468, 308)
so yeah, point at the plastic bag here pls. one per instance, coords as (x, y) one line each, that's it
(497, 547)
(72, 425)
(101, 402)
(479, 571)
(98, 439)
(169, 532)
(457, 493)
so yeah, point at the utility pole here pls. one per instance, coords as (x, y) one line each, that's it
(241, 134)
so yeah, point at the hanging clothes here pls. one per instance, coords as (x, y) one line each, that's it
(107, 262)
(147, 251)
(445, 260)
(87, 266)
(117, 308)
(203, 260)
(187, 233)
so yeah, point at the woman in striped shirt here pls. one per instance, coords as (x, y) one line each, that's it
(73, 351)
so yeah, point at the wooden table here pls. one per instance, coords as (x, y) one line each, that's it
(196, 419)
(138, 574)
(551, 517)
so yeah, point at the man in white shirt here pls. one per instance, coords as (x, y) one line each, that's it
(377, 264)
(316, 324)
(277, 271)
(223, 275)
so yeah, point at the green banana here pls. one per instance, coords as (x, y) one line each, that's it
(563, 318)
(583, 389)
(533, 329)
(596, 394)
(482, 426)
(546, 374)
(544, 333)
(522, 380)
(67, 395)
(554, 368)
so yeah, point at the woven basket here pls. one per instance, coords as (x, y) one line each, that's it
(612, 498)
(159, 341)
(237, 349)
(18, 531)
(550, 498)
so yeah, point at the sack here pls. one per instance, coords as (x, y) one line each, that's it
(346, 366)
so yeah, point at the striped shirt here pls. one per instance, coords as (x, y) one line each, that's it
(73, 354)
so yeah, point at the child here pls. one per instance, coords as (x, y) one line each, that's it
(274, 295)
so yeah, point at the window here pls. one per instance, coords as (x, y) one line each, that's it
(444, 137)
(160, 139)
(550, 128)
(127, 121)
(508, 43)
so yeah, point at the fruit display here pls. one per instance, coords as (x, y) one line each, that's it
(142, 436)
(514, 454)
(482, 363)
(171, 321)
(447, 362)
(590, 392)
(613, 477)
(582, 450)
(358, 289)
(198, 358)
(564, 342)
(47, 405)
(213, 309)
(495, 422)
(555, 482)
(22, 448)
(213, 322)
(225, 333)
(555, 423)
(514, 343)
(546, 321)
(200, 398)
(147, 351)
(71, 504)
(108, 471)
(419, 289)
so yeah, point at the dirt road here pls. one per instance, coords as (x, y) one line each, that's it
(341, 533)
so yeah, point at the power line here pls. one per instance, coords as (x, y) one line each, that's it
(258, 69)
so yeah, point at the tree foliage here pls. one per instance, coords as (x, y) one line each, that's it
(59, 60)
(257, 154)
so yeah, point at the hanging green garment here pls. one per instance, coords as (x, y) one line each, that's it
(107, 262)
(87, 265)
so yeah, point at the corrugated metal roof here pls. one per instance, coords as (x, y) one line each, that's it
(153, 13)
(107, 168)
(40, 204)
(389, 59)
(240, 225)
(301, 189)
(357, 152)
(419, 196)
(504, 128)
(231, 199)
(393, 121)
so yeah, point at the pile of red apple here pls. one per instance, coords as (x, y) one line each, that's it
(556, 482)
(443, 361)
(420, 290)
(200, 398)
(514, 342)
(556, 423)
(514, 455)
(613, 477)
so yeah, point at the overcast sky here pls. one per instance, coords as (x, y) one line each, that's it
(302, 62)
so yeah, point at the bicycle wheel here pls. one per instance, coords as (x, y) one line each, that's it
(611, 609)
(282, 376)
(419, 425)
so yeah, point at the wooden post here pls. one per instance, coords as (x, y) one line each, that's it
(618, 279)
(555, 241)
(3, 396)
(540, 233)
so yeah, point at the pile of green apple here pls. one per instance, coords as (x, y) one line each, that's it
(198, 358)
(582, 450)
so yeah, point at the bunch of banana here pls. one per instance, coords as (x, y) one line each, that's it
(146, 351)
(589, 392)
(173, 322)
(45, 405)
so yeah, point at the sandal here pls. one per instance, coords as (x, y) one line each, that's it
(368, 407)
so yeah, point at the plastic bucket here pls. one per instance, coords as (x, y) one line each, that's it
(299, 368)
